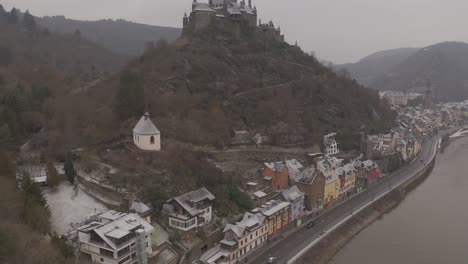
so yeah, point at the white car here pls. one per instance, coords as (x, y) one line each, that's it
(271, 260)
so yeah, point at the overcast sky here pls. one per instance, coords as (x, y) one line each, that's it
(336, 30)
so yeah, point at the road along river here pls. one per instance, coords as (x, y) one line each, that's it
(428, 227)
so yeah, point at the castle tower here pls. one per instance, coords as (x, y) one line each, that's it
(185, 20)
(194, 4)
(250, 3)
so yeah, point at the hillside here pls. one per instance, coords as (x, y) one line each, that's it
(443, 66)
(37, 70)
(369, 68)
(202, 89)
(120, 36)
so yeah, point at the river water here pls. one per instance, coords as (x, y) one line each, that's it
(429, 227)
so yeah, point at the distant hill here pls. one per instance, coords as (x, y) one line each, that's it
(38, 68)
(369, 68)
(120, 36)
(443, 67)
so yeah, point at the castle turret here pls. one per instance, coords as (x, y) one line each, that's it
(185, 20)
(194, 4)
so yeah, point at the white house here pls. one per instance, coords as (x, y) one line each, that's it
(116, 238)
(145, 134)
(329, 142)
(190, 210)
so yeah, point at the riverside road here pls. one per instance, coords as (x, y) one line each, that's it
(288, 245)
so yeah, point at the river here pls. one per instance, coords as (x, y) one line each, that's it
(428, 227)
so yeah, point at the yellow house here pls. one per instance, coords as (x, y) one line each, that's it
(332, 187)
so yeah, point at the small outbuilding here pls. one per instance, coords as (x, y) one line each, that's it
(145, 134)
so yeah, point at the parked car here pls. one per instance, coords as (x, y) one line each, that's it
(310, 224)
(271, 260)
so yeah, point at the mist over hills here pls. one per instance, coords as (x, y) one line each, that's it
(369, 68)
(119, 36)
(442, 68)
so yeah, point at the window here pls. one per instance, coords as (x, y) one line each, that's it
(152, 140)
(102, 260)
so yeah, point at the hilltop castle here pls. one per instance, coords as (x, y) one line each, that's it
(227, 13)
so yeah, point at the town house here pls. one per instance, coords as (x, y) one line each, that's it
(277, 216)
(312, 183)
(190, 210)
(116, 238)
(296, 198)
(330, 144)
(347, 177)
(278, 172)
(239, 240)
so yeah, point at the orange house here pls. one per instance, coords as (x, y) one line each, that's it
(279, 174)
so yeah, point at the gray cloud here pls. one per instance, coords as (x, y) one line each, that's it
(337, 30)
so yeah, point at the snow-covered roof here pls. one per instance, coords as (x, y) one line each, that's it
(145, 126)
(238, 230)
(204, 7)
(292, 194)
(275, 166)
(234, 10)
(139, 207)
(193, 197)
(259, 194)
(271, 207)
(120, 225)
(39, 179)
(294, 166)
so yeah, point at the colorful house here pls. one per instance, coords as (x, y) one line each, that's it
(277, 214)
(372, 169)
(332, 187)
(279, 174)
(294, 196)
(347, 175)
(240, 239)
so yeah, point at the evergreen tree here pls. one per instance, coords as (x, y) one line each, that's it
(53, 179)
(29, 22)
(36, 212)
(13, 16)
(130, 96)
(69, 169)
(2, 10)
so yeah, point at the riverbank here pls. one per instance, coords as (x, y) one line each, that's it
(328, 247)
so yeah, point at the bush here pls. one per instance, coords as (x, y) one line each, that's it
(65, 249)
(241, 199)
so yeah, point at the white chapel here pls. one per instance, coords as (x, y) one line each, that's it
(145, 134)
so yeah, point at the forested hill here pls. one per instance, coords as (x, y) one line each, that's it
(441, 67)
(202, 89)
(371, 67)
(120, 36)
(38, 68)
